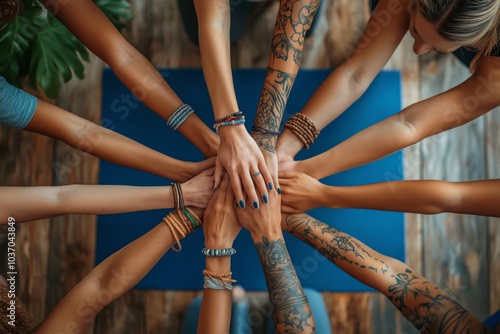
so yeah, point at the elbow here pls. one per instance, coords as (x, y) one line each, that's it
(407, 133)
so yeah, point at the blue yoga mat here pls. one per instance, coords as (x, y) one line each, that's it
(383, 231)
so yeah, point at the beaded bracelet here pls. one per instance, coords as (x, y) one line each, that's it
(303, 128)
(236, 114)
(218, 252)
(179, 116)
(232, 122)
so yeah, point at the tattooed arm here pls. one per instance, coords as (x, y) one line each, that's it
(426, 306)
(293, 20)
(418, 196)
(291, 310)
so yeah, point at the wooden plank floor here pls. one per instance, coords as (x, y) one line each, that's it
(459, 253)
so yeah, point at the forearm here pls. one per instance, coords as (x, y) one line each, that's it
(214, 26)
(215, 312)
(285, 291)
(46, 202)
(421, 196)
(426, 306)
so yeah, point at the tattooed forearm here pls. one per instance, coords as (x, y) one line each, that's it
(425, 305)
(292, 23)
(277, 87)
(337, 246)
(291, 313)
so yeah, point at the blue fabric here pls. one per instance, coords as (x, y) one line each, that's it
(382, 230)
(16, 106)
(493, 320)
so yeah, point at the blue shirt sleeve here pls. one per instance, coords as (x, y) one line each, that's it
(16, 106)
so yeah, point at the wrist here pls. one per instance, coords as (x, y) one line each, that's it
(218, 264)
(232, 131)
(270, 231)
(217, 241)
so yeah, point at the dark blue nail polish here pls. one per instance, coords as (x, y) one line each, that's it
(242, 204)
(270, 185)
(279, 191)
(266, 200)
(255, 205)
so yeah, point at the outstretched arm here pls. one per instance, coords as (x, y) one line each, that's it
(131, 67)
(419, 196)
(425, 305)
(238, 153)
(46, 202)
(293, 20)
(94, 139)
(383, 33)
(108, 281)
(291, 310)
(473, 98)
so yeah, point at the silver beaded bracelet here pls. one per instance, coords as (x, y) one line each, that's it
(218, 252)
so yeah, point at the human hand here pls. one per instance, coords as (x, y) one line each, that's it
(198, 190)
(300, 192)
(265, 221)
(240, 156)
(220, 224)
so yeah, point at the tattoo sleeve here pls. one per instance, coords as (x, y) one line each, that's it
(291, 311)
(426, 306)
(292, 23)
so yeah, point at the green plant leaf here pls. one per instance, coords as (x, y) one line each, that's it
(16, 39)
(56, 54)
(117, 11)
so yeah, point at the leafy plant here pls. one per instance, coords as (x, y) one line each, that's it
(35, 44)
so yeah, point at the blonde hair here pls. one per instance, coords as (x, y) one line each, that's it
(470, 23)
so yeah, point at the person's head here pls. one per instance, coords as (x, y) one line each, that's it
(9, 9)
(10, 305)
(445, 25)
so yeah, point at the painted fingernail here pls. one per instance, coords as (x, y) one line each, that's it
(266, 200)
(242, 204)
(270, 185)
(255, 205)
(279, 191)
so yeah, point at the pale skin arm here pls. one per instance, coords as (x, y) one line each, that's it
(238, 152)
(130, 66)
(221, 227)
(94, 139)
(291, 310)
(476, 96)
(109, 280)
(426, 306)
(350, 80)
(302, 192)
(46, 202)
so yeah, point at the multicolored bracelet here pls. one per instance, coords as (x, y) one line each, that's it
(231, 119)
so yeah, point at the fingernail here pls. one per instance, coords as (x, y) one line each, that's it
(264, 197)
(270, 185)
(255, 205)
(242, 204)
(279, 191)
